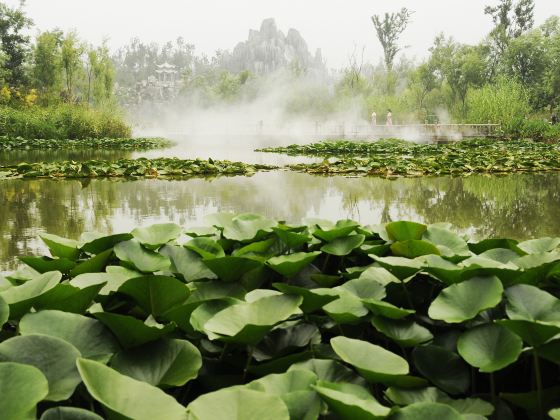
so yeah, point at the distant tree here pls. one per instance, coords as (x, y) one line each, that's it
(100, 74)
(389, 29)
(47, 65)
(511, 20)
(14, 43)
(71, 55)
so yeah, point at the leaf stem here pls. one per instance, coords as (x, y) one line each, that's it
(493, 389)
(248, 364)
(538, 379)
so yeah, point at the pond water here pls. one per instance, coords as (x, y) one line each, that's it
(517, 206)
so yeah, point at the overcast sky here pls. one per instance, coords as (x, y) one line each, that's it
(335, 26)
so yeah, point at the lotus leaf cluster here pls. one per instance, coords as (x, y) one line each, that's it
(250, 318)
(130, 168)
(398, 158)
(142, 143)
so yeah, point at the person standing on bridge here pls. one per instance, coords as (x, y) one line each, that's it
(373, 118)
(389, 118)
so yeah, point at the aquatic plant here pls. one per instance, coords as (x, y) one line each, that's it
(140, 143)
(250, 318)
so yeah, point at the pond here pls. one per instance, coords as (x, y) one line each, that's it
(518, 206)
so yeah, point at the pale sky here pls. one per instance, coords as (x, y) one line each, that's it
(335, 26)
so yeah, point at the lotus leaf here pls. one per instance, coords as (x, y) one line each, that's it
(61, 247)
(246, 227)
(69, 413)
(102, 243)
(187, 263)
(443, 368)
(54, 357)
(290, 265)
(154, 236)
(413, 248)
(449, 244)
(68, 298)
(343, 246)
(132, 332)
(22, 386)
(46, 264)
(231, 269)
(407, 333)
(341, 229)
(404, 231)
(127, 396)
(427, 411)
(140, 258)
(206, 247)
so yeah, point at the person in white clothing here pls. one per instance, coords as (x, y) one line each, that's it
(373, 118)
(389, 118)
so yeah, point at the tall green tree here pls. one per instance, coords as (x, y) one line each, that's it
(47, 65)
(389, 29)
(14, 43)
(71, 53)
(511, 20)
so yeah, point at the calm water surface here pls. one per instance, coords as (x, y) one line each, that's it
(518, 206)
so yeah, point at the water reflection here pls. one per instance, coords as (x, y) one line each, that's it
(13, 157)
(519, 206)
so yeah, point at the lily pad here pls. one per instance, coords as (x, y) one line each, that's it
(343, 246)
(140, 258)
(69, 413)
(404, 231)
(132, 332)
(154, 236)
(443, 368)
(405, 332)
(290, 265)
(22, 386)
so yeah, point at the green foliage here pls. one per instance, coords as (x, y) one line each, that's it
(269, 342)
(62, 122)
(19, 143)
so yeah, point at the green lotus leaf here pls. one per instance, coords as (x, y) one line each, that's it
(555, 414)
(46, 264)
(329, 371)
(265, 249)
(350, 401)
(373, 362)
(538, 246)
(550, 351)
(132, 332)
(341, 229)
(22, 386)
(156, 294)
(363, 289)
(127, 396)
(206, 247)
(486, 244)
(474, 406)
(238, 403)
(282, 340)
(413, 248)
(102, 243)
(142, 259)
(347, 309)
(313, 299)
(110, 281)
(529, 401)
(404, 231)
(295, 389)
(92, 339)
(187, 263)
(444, 270)
(449, 244)
(247, 227)
(152, 237)
(69, 413)
(92, 265)
(406, 333)
(290, 265)
(426, 411)
(160, 363)
(204, 312)
(501, 255)
(400, 267)
(379, 275)
(293, 240)
(231, 269)
(67, 298)
(533, 333)
(386, 309)
(54, 357)
(248, 322)
(489, 347)
(463, 301)
(61, 247)
(4, 312)
(343, 246)
(443, 368)
(529, 303)
(21, 298)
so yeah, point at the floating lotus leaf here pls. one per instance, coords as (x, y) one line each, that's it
(489, 347)
(246, 227)
(131, 332)
(427, 411)
(154, 236)
(160, 363)
(114, 278)
(379, 275)
(386, 309)
(93, 265)
(404, 231)
(238, 403)
(92, 339)
(295, 389)
(156, 294)
(449, 243)
(248, 322)
(21, 298)
(533, 333)
(407, 333)
(529, 303)
(349, 401)
(290, 265)
(443, 368)
(67, 298)
(69, 413)
(231, 269)
(373, 362)
(206, 247)
(400, 267)
(293, 240)
(347, 309)
(313, 299)
(414, 248)
(187, 263)
(126, 396)
(343, 246)
(54, 357)
(463, 301)
(61, 247)
(204, 312)
(22, 386)
(341, 229)
(329, 371)
(537, 246)
(103, 243)
(140, 258)
(46, 264)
